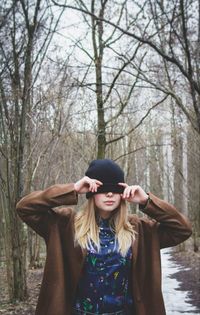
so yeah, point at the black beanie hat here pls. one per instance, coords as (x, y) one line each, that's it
(109, 173)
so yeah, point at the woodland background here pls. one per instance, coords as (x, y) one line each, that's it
(86, 79)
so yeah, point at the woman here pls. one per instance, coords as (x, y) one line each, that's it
(102, 260)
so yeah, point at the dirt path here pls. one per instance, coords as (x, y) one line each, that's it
(189, 280)
(177, 295)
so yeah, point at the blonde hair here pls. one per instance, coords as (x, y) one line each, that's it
(87, 229)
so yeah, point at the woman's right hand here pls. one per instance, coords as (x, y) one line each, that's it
(87, 184)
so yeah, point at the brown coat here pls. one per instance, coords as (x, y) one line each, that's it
(64, 260)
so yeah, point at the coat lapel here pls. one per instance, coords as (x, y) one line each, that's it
(136, 291)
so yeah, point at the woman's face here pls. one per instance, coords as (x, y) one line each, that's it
(106, 203)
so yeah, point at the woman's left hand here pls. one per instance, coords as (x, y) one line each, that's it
(134, 194)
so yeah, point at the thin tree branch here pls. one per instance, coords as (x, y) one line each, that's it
(159, 50)
(139, 123)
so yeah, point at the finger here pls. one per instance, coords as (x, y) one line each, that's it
(93, 186)
(124, 193)
(133, 190)
(127, 192)
(98, 182)
(88, 179)
(123, 184)
(96, 186)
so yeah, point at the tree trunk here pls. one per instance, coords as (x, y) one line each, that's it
(193, 153)
(97, 33)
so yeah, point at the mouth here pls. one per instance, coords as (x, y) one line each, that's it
(109, 203)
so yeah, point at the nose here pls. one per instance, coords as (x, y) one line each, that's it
(109, 194)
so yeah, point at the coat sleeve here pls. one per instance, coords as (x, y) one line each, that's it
(173, 227)
(36, 209)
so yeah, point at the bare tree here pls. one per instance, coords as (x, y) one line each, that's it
(24, 43)
(180, 24)
(113, 95)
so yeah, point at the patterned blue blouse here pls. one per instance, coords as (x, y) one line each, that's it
(104, 285)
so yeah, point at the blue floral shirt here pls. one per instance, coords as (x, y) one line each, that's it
(104, 285)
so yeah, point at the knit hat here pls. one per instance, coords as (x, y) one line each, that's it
(109, 173)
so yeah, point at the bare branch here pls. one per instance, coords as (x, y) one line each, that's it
(139, 123)
(159, 50)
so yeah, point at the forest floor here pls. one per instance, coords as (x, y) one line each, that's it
(189, 281)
